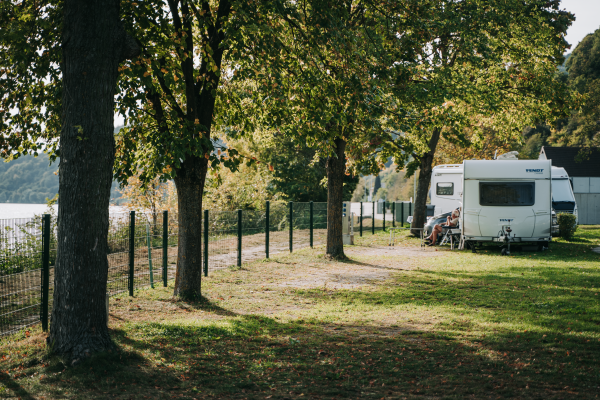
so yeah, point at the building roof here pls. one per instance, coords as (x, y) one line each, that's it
(587, 165)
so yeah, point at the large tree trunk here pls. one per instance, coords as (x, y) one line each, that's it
(190, 186)
(336, 168)
(94, 43)
(420, 210)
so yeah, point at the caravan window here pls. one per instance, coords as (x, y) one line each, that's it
(507, 193)
(445, 189)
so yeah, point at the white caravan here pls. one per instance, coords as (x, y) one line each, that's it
(506, 201)
(446, 187)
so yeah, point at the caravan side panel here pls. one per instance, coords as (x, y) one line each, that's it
(471, 209)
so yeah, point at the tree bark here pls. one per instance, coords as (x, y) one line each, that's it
(336, 168)
(420, 210)
(190, 181)
(93, 44)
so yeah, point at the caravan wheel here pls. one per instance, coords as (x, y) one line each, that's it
(504, 252)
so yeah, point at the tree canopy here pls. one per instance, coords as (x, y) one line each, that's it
(483, 65)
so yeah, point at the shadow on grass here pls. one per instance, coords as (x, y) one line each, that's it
(258, 356)
(207, 305)
(8, 383)
(249, 356)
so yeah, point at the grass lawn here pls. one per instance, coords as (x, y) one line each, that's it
(392, 322)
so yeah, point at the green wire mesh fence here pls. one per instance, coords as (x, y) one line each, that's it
(143, 251)
(143, 248)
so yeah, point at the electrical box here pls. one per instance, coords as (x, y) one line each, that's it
(347, 223)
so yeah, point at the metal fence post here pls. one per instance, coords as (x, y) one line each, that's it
(384, 215)
(373, 223)
(45, 270)
(393, 214)
(267, 228)
(205, 242)
(291, 226)
(361, 218)
(402, 215)
(131, 249)
(149, 243)
(410, 209)
(239, 258)
(310, 221)
(165, 246)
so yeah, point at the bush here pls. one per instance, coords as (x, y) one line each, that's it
(566, 225)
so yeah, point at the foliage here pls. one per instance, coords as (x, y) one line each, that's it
(398, 186)
(361, 193)
(328, 85)
(483, 145)
(21, 245)
(188, 48)
(535, 137)
(246, 189)
(30, 78)
(377, 185)
(151, 197)
(583, 66)
(298, 173)
(566, 225)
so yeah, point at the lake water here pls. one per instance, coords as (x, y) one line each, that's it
(20, 210)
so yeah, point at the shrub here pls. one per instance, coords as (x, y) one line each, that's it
(566, 225)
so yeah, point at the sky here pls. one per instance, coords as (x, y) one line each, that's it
(587, 19)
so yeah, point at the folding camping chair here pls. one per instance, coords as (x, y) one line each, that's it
(451, 235)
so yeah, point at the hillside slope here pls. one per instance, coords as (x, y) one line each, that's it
(32, 180)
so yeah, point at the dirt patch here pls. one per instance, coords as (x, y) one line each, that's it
(404, 251)
(328, 278)
(368, 266)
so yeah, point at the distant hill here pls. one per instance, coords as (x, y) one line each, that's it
(31, 179)
(563, 67)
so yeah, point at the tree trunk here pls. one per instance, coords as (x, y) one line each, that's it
(190, 186)
(191, 176)
(336, 168)
(420, 210)
(93, 44)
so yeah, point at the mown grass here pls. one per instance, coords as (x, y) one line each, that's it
(391, 323)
